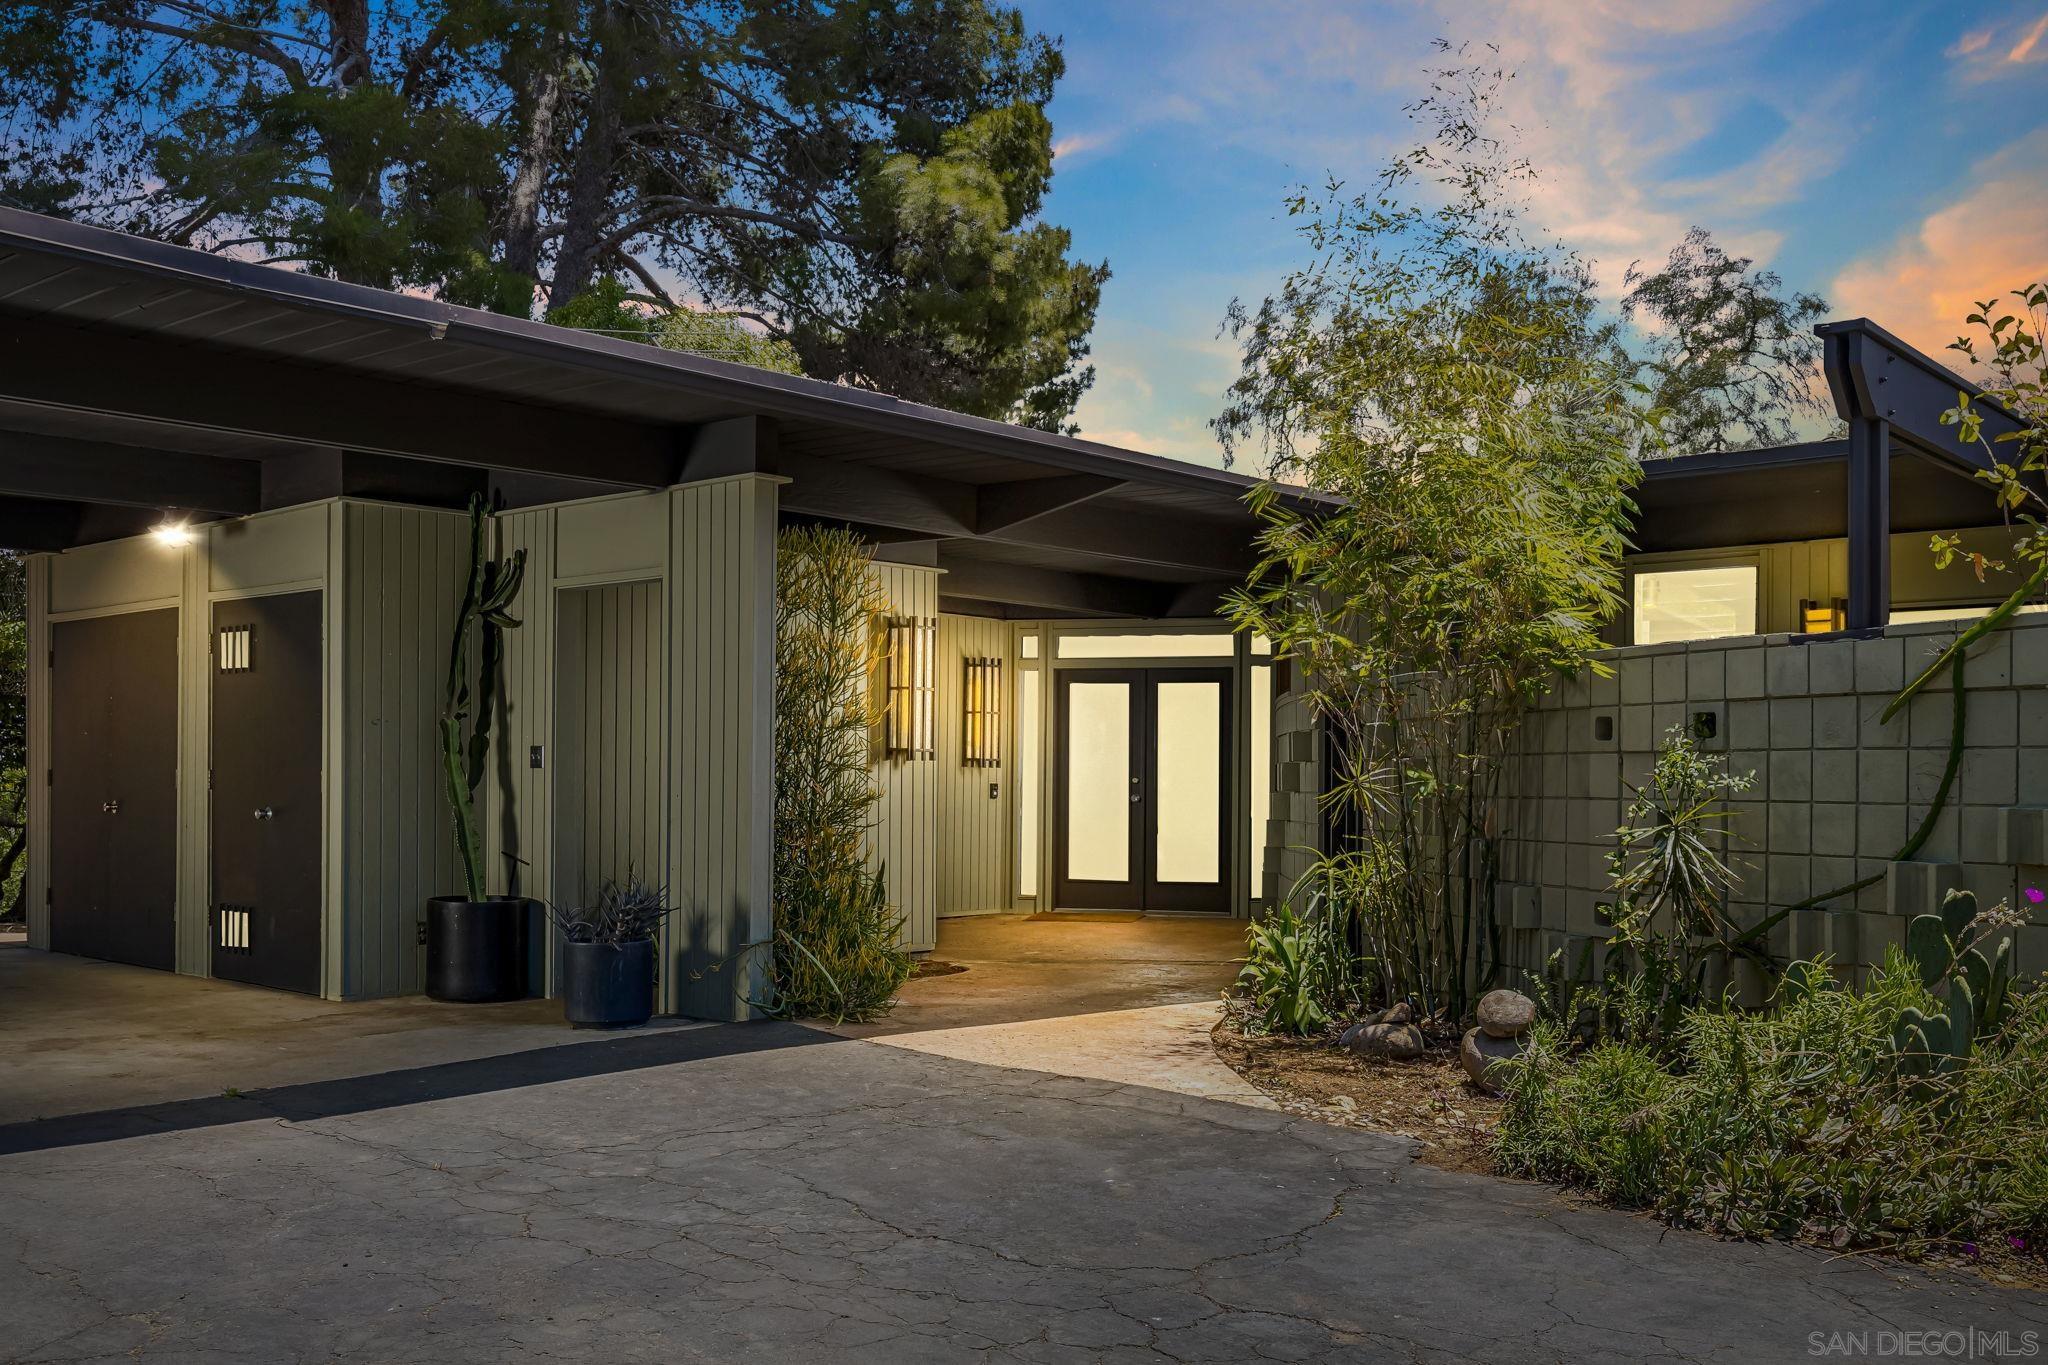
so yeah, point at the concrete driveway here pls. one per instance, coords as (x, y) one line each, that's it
(771, 1193)
(1036, 1159)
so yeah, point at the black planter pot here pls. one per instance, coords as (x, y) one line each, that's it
(608, 985)
(476, 950)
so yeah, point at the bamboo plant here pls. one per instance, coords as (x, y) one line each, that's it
(489, 589)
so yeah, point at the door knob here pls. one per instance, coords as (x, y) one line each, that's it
(264, 813)
(111, 807)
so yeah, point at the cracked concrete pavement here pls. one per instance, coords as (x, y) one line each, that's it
(835, 1200)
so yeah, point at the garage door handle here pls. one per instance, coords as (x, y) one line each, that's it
(264, 813)
(110, 807)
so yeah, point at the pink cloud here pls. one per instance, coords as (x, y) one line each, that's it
(1986, 242)
(2002, 49)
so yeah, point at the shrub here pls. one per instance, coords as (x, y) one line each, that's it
(1805, 1122)
(1298, 971)
(837, 950)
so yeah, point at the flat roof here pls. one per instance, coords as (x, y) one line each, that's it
(230, 375)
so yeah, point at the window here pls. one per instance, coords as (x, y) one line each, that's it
(1262, 771)
(1029, 756)
(1695, 604)
(1904, 615)
(1135, 646)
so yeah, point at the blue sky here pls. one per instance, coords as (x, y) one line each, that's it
(1891, 156)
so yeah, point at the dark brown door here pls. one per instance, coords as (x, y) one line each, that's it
(266, 675)
(114, 787)
(1143, 790)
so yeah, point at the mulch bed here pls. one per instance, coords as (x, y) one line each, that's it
(1432, 1101)
(1429, 1099)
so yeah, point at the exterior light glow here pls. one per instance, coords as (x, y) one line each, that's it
(172, 534)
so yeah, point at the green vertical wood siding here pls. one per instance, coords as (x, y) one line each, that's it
(972, 832)
(610, 777)
(722, 663)
(400, 576)
(903, 840)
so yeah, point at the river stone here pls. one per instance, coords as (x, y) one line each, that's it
(1398, 1042)
(1481, 1051)
(1400, 1012)
(1506, 1014)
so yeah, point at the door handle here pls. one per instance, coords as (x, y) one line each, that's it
(110, 807)
(264, 813)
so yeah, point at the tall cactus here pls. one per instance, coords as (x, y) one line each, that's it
(487, 594)
(1947, 948)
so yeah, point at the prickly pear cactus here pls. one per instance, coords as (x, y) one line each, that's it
(1944, 948)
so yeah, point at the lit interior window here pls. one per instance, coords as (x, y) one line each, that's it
(1028, 759)
(1135, 646)
(1906, 615)
(1695, 604)
(1262, 771)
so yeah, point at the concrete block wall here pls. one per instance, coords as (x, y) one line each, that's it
(1294, 822)
(1837, 791)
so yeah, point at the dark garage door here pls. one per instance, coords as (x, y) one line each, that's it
(266, 791)
(113, 787)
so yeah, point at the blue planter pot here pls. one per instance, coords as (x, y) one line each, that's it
(608, 985)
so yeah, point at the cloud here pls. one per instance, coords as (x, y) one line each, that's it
(1987, 54)
(1079, 144)
(1986, 241)
(1606, 98)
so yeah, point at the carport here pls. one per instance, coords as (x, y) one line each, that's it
(241, 486)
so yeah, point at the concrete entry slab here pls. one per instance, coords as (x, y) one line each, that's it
(80, 1036)
(1048, 966)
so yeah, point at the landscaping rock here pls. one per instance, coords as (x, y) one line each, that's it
(1481, 1051)
(1397, 1042)
(1506, 1014)
(1400, 1012)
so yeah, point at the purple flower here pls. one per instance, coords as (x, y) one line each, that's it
(2016, 1243)
(1969, 1248)
(2035, 895)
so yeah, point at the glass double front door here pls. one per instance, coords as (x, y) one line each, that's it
(1144, 790)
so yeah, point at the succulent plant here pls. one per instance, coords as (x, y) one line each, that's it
(1947, 948)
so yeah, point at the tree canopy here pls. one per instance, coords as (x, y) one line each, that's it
(859, 181)
(1732, 360)
(1453, 383)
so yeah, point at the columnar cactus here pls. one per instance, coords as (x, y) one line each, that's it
(487, 595)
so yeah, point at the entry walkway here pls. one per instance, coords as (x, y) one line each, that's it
(1099, 997)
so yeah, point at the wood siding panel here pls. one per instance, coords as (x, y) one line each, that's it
(722, 818)
(903, 839)
(401, 576)
(518, 797)
(973, 831)
(609, 769)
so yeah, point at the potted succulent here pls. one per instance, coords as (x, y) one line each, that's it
(607, 975)
(476, 942)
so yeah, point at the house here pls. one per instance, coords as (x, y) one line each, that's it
(1776, 601)
(243, 491)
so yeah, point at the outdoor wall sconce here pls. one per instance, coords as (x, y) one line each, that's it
(907, 715)
(981, 729)
(1819, 617)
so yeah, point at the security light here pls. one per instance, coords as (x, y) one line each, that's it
(171, 532)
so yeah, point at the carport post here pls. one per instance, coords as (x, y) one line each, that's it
(1870, 523)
